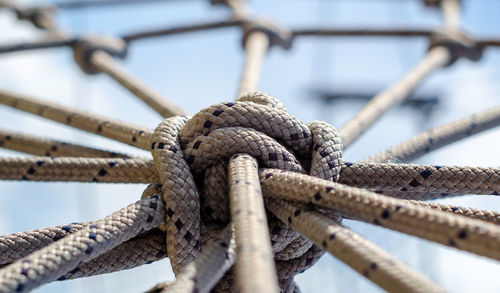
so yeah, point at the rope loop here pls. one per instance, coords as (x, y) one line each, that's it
(458, 43)
(191, 157)
(85, 46)
(277, 35)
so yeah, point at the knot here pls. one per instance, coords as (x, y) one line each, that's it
(40, 17)
(191, 158)
(277, 35)
(434, 3)
(84, 47)
(458, 44)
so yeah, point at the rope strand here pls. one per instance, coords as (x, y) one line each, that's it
(393, 95)
(124, 132)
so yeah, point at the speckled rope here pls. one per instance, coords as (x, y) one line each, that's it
(363, 256)
(440, 136)
(485, 215)
(404, 177)
(51, 148)
(380, 176)
(202, 274)
(62, 256)
(120, 131)
(254, 252)
(224, 127)
(185, 151)
(143, 249)
(17, 245)
(78, 169)
(464, 233)
(105, 63)
(392, 96)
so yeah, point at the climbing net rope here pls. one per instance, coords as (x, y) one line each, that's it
(244, 183)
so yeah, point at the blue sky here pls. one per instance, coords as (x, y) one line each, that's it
(197, 70)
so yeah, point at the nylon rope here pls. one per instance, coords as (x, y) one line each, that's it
(210, 208)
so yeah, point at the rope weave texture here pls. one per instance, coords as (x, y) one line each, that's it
(243, 196)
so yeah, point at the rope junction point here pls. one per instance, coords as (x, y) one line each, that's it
(243, 196)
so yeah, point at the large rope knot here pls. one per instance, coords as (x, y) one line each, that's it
(191, 158)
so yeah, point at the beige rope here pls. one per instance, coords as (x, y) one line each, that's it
(256, 46)
(48, 147)
(404, 177)
(185, 151)
(62, 256)
(451, 13)
(143, 249)
(254, 252)
(120, 131)
(78, 169)
(489, 216)
(202, 274)
(105, 63)
(464, 233)
(393, 95)
(363, 256)
(440, 136)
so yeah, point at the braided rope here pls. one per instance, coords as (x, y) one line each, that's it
(404, 177)
(254, 251)
(362, 255)
(120, 131)
(62, 256)
(384, 177)
(105, 63)
(440, 136)
(461, 232)
(77, 169)
(51, 148)
(189, 160)
(393, 95)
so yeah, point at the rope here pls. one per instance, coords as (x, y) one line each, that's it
(380, 176)
(62, 256)
(255, 47)
(202, 26)
(77, 169)
(404, 177)
(255, 270)
(190, 162)
(440, 136)
(362, 255)
(117, 130)
(51, 148)
(42, 44)
(105, 63)
(202, 274)
(361, 32)
(463, 233)
(451, 13)
(143, 249)
(393, 95)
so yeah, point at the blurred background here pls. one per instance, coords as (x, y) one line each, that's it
(318, 79)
